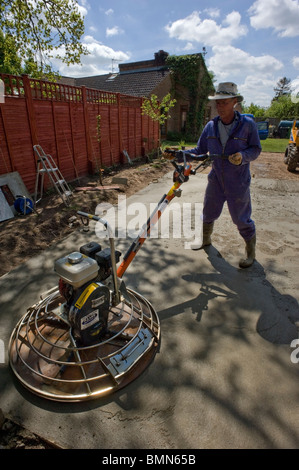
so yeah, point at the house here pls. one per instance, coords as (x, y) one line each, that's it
(157, 76)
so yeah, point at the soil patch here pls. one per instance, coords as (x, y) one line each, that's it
(25, 236)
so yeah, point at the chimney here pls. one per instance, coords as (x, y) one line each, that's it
(160, 57)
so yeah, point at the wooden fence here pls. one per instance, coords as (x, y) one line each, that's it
(63, 120)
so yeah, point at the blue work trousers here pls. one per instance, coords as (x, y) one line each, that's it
(238, 201)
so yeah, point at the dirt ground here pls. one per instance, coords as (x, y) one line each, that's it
(25, 236)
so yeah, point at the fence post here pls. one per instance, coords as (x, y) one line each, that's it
(87, 133)
(30, 109)
(120, 135)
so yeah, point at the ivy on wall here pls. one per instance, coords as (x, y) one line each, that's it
(192, 82)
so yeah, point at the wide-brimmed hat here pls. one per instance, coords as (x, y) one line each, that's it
(226, 90)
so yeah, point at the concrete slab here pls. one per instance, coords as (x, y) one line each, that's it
(224, 376)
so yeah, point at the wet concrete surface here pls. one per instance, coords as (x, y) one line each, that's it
(226, 374)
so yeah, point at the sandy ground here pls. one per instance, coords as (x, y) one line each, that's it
(24, 237)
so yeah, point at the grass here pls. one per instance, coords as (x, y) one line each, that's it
(268, 145)
(274, 145)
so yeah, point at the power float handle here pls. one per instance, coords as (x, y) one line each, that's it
(180, 176)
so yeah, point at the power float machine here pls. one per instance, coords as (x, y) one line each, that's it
(92, 335)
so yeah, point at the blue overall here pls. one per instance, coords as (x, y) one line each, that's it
(228, 182)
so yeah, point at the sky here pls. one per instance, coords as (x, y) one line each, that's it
(252, 43)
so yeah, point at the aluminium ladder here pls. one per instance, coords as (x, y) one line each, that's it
(47, 165)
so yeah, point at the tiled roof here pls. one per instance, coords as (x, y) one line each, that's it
(135, 84)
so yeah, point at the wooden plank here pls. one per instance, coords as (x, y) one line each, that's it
(96, 188)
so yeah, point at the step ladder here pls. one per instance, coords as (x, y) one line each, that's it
(47, 166)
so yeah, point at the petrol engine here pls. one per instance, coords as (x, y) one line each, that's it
(82, 275)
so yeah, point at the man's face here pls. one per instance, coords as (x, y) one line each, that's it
(225, 108)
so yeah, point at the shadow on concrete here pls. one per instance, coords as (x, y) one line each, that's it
(246, 289)
(229, 299)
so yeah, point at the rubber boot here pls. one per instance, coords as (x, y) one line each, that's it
(207, 230)
(250, 253)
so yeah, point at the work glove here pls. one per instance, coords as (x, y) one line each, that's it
(235, 159)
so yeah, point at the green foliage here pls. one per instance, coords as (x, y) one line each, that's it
(158, 111)
(256, 110)
(283, 108)
(40, 28)
(174, 136)
(189, 73)
(282, 88)
(9, 63)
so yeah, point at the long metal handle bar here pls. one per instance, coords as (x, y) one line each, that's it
(182, 175)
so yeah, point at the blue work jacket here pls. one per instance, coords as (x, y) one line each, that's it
(244, 138)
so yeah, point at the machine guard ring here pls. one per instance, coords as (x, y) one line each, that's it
(46, 359)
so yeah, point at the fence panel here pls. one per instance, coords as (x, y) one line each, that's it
(63, 120)
(5, 161)
(45, 133)
(18, 139)
(79, 156)
(63, 137)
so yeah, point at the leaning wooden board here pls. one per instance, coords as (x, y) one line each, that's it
(96, 188)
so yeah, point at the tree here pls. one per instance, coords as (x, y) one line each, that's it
(254, 109)
(158, 111)
(284, 108)
(283, 88)
(41, 28)
(9, 63)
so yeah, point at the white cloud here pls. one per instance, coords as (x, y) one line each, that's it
(281, 15)
(229, 60)
(255, 75)
(295, 62)
(113, 31)
(207, 32)
(212, 12)
(97, 62)
(295, 90)
(83, 8)
(257, 90)
(109, 12)
(188, 47)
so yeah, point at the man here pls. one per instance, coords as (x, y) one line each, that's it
(236, 138)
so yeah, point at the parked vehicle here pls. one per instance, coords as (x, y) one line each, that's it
(291, 157)
(263, 127)
(284, 128)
